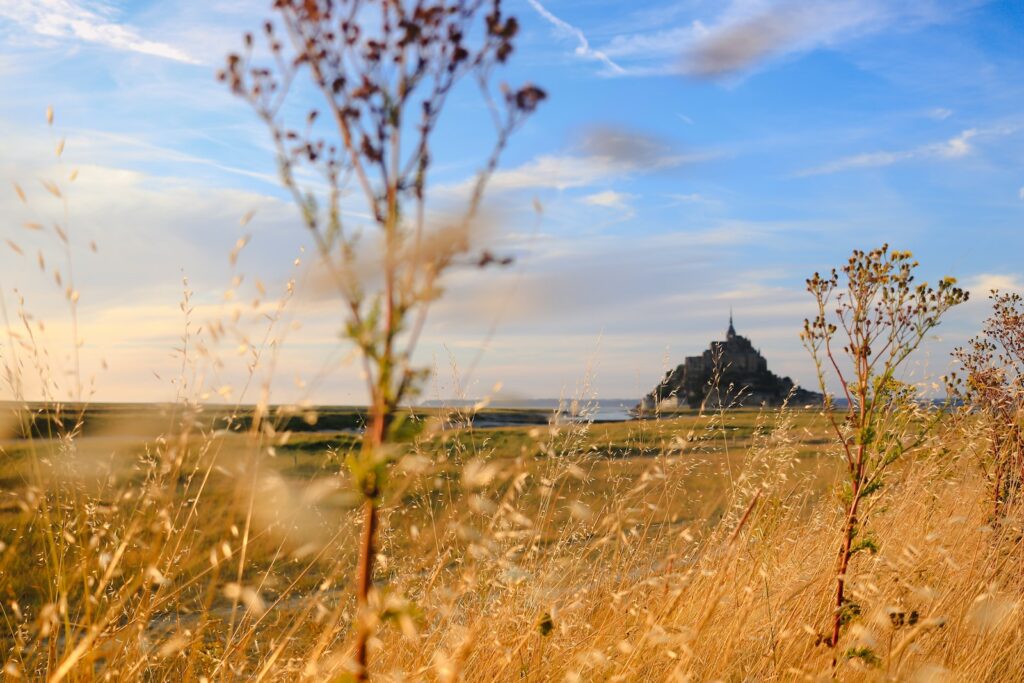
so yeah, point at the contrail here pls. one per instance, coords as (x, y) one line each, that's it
(584, 49)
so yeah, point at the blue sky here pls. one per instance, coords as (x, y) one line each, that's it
(775, 138)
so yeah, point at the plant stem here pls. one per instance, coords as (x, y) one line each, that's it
(364, 572)
(375, 438)
(845, 552)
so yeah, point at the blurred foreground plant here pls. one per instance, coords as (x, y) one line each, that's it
(879, 317)
(382, 71)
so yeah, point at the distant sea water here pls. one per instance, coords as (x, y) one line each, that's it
(593, 410)
(520, 412)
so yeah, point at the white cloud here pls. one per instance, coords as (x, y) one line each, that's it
(149, 227)
(545, 171)
(132, 149)
(150, 232)
(609, 199)
(661, 44)
(583, 48)
(1020, 193)
(743, 38)
(563, 172)
(748, 33)
(939, 113)
(980, 285)
(89, 22)
(956, 147)
(637, 293)
(692, 198)
(868, 160)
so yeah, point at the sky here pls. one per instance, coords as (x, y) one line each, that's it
(768, 140)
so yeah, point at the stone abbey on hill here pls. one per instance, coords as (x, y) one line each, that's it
(730, 373)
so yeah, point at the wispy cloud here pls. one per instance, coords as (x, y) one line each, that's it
(563, 172)
(583, 49)
(603, 153)
(746, 34)
(691, 198)
(88, 22)
(743, 39)
(954, 148)
(609, 199)
(630, 148)
(546, 171)
(939, 113)
(957, 146)
(106, 141)
(654, 51)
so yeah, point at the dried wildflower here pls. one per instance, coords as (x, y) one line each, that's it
(884, 316)
(545, 624)
(383, 71)
(993, 390)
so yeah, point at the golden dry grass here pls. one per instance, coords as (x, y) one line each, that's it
(692, 548)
